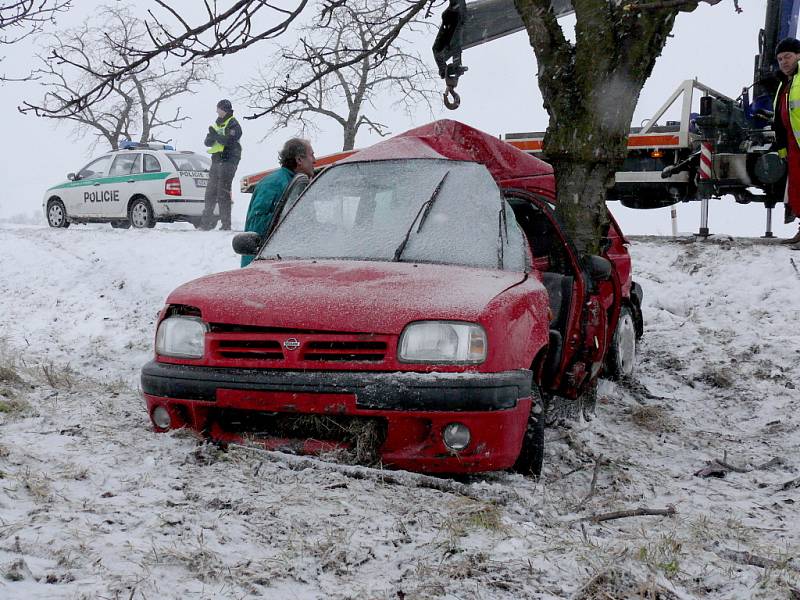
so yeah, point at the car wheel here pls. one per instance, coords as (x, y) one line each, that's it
(57, 214)
(621, 360)
(140, 214)
(531, 455)
(120, 224)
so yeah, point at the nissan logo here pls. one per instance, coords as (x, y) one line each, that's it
(291, 344)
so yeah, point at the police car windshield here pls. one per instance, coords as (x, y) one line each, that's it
(189, 161)
(438, 211)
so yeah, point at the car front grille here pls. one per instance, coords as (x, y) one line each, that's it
(293, 349)
(250, 349)
(345, 351)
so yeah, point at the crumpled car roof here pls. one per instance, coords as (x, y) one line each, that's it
(456, 141)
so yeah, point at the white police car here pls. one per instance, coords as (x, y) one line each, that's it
(138, 185)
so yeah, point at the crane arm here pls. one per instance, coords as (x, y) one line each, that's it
(467, 25)
(780, 23)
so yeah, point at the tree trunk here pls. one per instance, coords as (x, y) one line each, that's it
(590, 90)
(581, 192)
(350, 131)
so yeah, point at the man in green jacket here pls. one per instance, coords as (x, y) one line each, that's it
(297, 156)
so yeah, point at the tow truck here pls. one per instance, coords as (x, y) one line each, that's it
(719, 146)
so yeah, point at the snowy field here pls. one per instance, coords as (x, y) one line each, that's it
(93, 504)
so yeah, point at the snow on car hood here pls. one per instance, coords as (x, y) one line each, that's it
(354, 296)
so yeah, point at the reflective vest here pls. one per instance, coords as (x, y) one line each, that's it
(794, 110)
(220, 129)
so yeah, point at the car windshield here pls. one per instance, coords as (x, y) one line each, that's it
(420, 210)
(189, 161)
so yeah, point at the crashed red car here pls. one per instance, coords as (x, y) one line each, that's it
(422, 288)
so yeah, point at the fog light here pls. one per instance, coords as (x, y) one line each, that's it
(161, 417)
(456, 436)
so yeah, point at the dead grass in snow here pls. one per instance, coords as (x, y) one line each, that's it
(652, 418)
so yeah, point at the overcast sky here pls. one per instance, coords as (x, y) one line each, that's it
(499, 95)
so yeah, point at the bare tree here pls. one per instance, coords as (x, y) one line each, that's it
(220, 32)
(22, 18)
(136, 106)
(344, 95)
(590, 90)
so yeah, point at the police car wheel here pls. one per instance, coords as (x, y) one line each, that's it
(57, 214)
(140, 214)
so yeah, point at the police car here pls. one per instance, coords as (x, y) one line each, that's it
(137, 185)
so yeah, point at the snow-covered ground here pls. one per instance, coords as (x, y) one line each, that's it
(93, 504)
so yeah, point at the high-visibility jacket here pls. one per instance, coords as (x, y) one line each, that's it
(220, 129)
(782, 136)
(787, 149)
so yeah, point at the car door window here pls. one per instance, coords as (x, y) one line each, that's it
(547, 247)
(151, 164)
(123, 165)
(95, 169)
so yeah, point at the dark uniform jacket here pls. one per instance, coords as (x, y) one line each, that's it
(229, 138)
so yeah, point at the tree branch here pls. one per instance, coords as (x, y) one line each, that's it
(634, 512)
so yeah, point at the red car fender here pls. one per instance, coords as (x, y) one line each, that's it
(516, 326)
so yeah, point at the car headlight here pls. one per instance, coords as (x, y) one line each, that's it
(181, 337)
(443, 342)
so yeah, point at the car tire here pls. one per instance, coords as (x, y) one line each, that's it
(531, 455)
(121, 224)
(140, 214)
(57, 214)
(621, 360)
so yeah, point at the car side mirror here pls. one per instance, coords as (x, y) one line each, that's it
(247, 243)
(599, 268)
(72, 176)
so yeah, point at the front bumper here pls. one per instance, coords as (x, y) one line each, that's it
(413, 407)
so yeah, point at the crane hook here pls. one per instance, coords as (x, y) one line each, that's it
(451, 98)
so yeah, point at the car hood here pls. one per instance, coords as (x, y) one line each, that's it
(338, 295)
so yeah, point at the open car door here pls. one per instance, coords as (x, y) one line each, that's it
(579, 303)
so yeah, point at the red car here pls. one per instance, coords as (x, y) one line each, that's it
(420, 290)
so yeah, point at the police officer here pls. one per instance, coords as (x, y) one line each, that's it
(226, 151)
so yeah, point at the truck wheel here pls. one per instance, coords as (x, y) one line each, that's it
(621, 360)
(57, 214)
(531, 456)
(140, 214)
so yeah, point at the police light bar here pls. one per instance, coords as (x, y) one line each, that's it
(129, 145)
